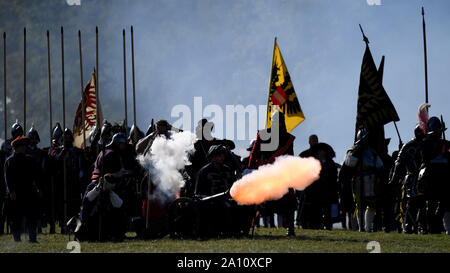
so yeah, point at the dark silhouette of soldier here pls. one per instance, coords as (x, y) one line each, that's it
(264, 152)
(21, 186)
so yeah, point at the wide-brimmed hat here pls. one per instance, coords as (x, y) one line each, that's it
(20, 141)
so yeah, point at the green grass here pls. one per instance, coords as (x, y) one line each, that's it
(265, 240)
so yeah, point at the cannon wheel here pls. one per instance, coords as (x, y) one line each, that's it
(183, 218)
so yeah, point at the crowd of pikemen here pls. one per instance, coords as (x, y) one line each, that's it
(101, 192)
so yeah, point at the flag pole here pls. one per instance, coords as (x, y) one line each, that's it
(82, 91)
(269, 111)
(49, 86)
(425, 55)
(132, 69)
(125, 84)
(96, 77)
(63, 84)
(367, 45)
(24, 79)
(4, 85)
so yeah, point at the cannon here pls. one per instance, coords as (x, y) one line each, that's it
(206, 217)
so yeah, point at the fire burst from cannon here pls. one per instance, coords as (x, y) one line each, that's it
(271, 182)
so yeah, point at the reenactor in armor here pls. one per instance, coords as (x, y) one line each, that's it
(404, 180)
(40, 159)
(5, 152)
(367, 170)
(70, 178)
(263, 153)
(434, 175)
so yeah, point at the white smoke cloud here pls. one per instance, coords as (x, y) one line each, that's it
(165, 160)
(73, 2)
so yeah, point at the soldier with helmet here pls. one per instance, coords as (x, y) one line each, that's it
(434, 175)
(71, 178)
(404, 179)
(106, 218)
(41, 160)
(367, 169)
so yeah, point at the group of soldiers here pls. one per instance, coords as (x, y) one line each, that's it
(101, 192)
(408, 192)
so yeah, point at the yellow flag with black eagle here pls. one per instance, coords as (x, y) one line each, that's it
(282, 95)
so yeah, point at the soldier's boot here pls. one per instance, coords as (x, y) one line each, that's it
(446, 220)
(369, 219)
(360, 218)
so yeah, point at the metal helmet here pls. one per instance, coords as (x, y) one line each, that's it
(216, 149)
(57, 134)
(418, 132)
(135, 134)
(106, 129)
(116, 139)
(362, 135)
(93, 133)
(33, 134)
(434, 126)
(68, 132)
(16, 130)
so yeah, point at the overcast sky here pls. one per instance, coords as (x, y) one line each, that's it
(221, 51)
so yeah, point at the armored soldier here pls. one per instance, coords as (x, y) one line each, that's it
(40, 159)
(271, 143)
(405, 175)
(434, 175)
(71, 178)
(367, 170)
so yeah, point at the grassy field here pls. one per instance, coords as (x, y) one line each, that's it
(264, 241)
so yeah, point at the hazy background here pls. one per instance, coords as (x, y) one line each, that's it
(221, 50)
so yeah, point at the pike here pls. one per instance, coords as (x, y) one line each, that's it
(64, 127)
(49, 85)
(125, 83)
(96, 78)
(52, 180)
(425, 55)
(132, 69)
(4, 103)
(82, 91)
(4, 85)
(24, 79)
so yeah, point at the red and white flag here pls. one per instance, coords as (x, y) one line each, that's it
(92, 109)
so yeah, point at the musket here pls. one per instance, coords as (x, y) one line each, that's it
(443, 128)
